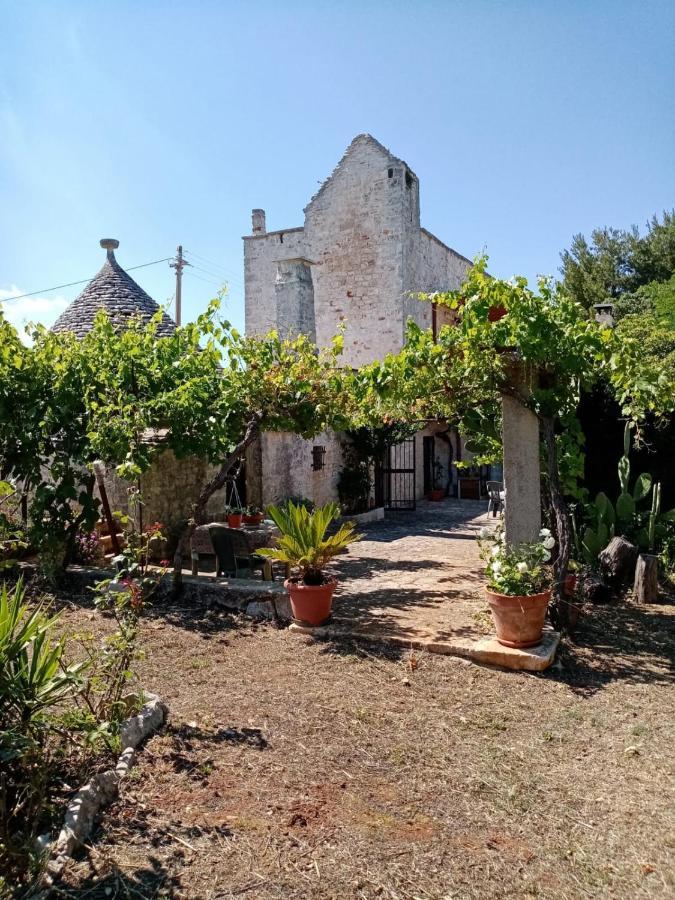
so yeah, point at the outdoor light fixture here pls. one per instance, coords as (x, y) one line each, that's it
(318, 461)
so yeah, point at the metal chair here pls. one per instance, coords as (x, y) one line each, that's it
(495, 491)
(234, 556)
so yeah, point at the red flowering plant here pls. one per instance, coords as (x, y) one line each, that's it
(108, 697)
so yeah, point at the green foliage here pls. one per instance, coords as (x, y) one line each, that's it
(125, 395)
(604, 519)
(354, 481)
(304, 542)
(461, 375)
(34, 680)
(616, 263)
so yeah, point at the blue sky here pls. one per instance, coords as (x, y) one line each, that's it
(161, 123)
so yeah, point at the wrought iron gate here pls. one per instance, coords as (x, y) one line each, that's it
(398, 475)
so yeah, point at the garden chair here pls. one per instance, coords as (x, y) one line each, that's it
(233, 554)
(495, 491)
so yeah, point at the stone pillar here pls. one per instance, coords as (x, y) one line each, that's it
(294, 293)
(521, 466)
(258, 221)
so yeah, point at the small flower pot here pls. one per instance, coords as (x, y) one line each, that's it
(254, 520)
(436, 495)
(519, 620)
(311, 604)
(495, 313)
(234, 520)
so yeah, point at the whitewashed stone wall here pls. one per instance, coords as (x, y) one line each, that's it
(287, 468)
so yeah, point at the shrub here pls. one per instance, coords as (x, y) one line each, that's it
(33, 681)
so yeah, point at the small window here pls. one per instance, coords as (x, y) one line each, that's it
(408, 179)
(318, 458)
(390, 173)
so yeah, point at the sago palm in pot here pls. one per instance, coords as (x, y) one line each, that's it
(305, 546)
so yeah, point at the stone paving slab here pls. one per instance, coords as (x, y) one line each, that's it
(416, 580)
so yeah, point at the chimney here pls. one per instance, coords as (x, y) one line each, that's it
(258, 219)
(109, 245)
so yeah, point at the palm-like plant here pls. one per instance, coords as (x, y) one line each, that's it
(303, 542)
(31, 676)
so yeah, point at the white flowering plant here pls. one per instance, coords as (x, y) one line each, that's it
(518, 570)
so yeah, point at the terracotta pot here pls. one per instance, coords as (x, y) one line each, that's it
(311, 604)
(519, 620)
(436, 495)
(570, 584)
(234, 520)
(253, 520)
(495, 313)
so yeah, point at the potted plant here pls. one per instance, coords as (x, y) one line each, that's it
(304, 545)
(518, 586)
(253, 515)
(437, 492)
(234, 516)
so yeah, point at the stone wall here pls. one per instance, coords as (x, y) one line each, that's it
(367, 251)
(363, 238)
(286, 468)
(168, 489)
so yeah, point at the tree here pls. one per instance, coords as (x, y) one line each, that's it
(205, 391)
(546, 335)
(44, 447)
(124, 396)
(617, 262)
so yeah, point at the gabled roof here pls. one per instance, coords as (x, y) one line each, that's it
(114, 291)
(361, 139)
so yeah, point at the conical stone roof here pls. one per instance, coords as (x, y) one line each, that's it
(115, 292)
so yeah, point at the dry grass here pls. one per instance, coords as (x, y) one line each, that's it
(294, 769)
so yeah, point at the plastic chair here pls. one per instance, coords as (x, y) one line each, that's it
(234, 556)
(495, 491)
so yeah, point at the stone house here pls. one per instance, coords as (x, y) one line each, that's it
(356, 258)
(170, 487)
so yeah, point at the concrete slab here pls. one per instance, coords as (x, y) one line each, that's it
(487, 651)
(532, 659)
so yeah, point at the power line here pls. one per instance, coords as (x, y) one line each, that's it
(218, 284)
(220, 275)
(213, 264)
(58, 287)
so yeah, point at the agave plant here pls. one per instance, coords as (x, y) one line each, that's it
(32, 678)
(303, 542)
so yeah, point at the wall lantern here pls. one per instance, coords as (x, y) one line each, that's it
(318, 458)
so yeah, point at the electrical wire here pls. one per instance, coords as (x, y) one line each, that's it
(214, 265)
(218, 284)
(58, 287)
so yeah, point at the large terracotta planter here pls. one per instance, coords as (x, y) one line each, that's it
(519, 620)
(311, 604)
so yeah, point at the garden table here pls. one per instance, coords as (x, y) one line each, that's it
(257, 536)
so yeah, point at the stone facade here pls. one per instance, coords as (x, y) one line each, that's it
(359, 253)
(168, 490)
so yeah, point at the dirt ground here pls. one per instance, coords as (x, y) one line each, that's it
(297, 769)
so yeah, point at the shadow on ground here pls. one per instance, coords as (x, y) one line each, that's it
(619, 642)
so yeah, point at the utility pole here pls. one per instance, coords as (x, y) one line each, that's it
(178, 263)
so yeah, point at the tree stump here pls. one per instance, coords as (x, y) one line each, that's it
(594, 589)
(618, 559)
(646, 586)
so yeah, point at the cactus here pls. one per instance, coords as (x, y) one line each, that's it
(654, 515)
